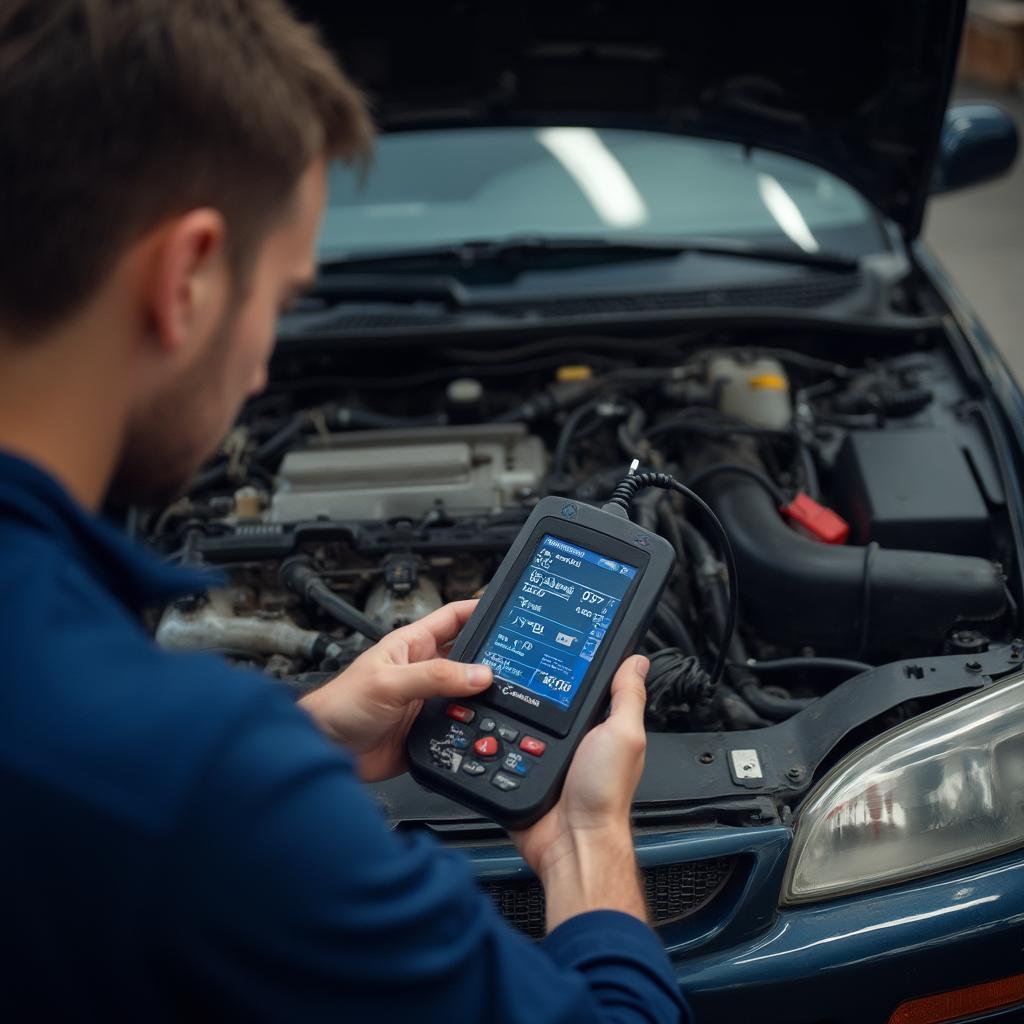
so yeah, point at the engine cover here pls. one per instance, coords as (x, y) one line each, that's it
(390, 474)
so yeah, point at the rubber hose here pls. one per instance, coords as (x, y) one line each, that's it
(797, 664)
(298, 575)
(800, 591)
(736, 710)
(355, 418)
(768, 704)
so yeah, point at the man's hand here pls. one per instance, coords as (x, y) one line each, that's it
(582, 849)
(371, 705)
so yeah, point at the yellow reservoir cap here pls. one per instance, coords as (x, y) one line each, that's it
(573, 373)
(769, 382)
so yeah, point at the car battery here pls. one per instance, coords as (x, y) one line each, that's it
(911, 489)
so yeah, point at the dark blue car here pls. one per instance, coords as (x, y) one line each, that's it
(686, 234)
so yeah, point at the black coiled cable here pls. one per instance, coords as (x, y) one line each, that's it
(676, 681)
(619, 503)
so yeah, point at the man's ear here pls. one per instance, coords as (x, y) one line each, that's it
(189, 286)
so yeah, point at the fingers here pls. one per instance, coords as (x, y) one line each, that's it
(435, 678)
(424, 638)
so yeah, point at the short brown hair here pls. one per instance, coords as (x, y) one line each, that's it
(116, 114)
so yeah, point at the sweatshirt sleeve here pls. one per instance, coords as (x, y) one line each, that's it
(287, 897)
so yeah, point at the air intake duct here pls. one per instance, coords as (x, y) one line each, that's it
(843, 600)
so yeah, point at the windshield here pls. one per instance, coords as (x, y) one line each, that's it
(447, 186)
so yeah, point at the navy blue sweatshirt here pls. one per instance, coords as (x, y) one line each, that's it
(181, 841)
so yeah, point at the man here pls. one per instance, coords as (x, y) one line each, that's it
(180, 839)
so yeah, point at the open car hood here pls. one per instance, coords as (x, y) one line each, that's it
(858, 89)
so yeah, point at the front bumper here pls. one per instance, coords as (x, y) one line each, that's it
(846, 961)
(856, 959)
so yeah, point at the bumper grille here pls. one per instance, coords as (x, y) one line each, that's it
(673, 891)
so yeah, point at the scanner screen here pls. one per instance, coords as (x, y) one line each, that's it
(554, 621)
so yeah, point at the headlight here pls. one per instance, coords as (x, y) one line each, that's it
(943, 790)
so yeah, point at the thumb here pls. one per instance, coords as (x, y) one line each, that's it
(436, 678)
(629, 695)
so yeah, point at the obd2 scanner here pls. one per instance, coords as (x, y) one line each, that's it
(572, 598)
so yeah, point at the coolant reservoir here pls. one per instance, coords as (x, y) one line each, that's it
(754, 390)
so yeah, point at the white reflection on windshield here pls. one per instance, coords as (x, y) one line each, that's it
(786, 213)
(598, 173)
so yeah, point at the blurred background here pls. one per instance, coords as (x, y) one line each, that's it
(978, 233)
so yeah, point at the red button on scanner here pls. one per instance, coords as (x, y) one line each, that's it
(532, 746)
(486, 746)
(460, 713)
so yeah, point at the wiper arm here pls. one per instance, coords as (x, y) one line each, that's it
(525, 250)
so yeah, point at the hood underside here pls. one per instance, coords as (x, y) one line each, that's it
(858, 89)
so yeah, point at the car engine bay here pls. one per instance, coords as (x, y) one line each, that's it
(854, 477)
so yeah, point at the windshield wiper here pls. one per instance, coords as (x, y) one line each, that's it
(525, 252)
(431, 273)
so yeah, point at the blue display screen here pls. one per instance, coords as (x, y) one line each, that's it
(552, 625)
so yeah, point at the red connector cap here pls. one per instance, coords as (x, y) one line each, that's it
(820, 522)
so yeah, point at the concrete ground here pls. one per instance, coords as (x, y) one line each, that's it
(978, 235)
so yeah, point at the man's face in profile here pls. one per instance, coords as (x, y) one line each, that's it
(169, 439)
